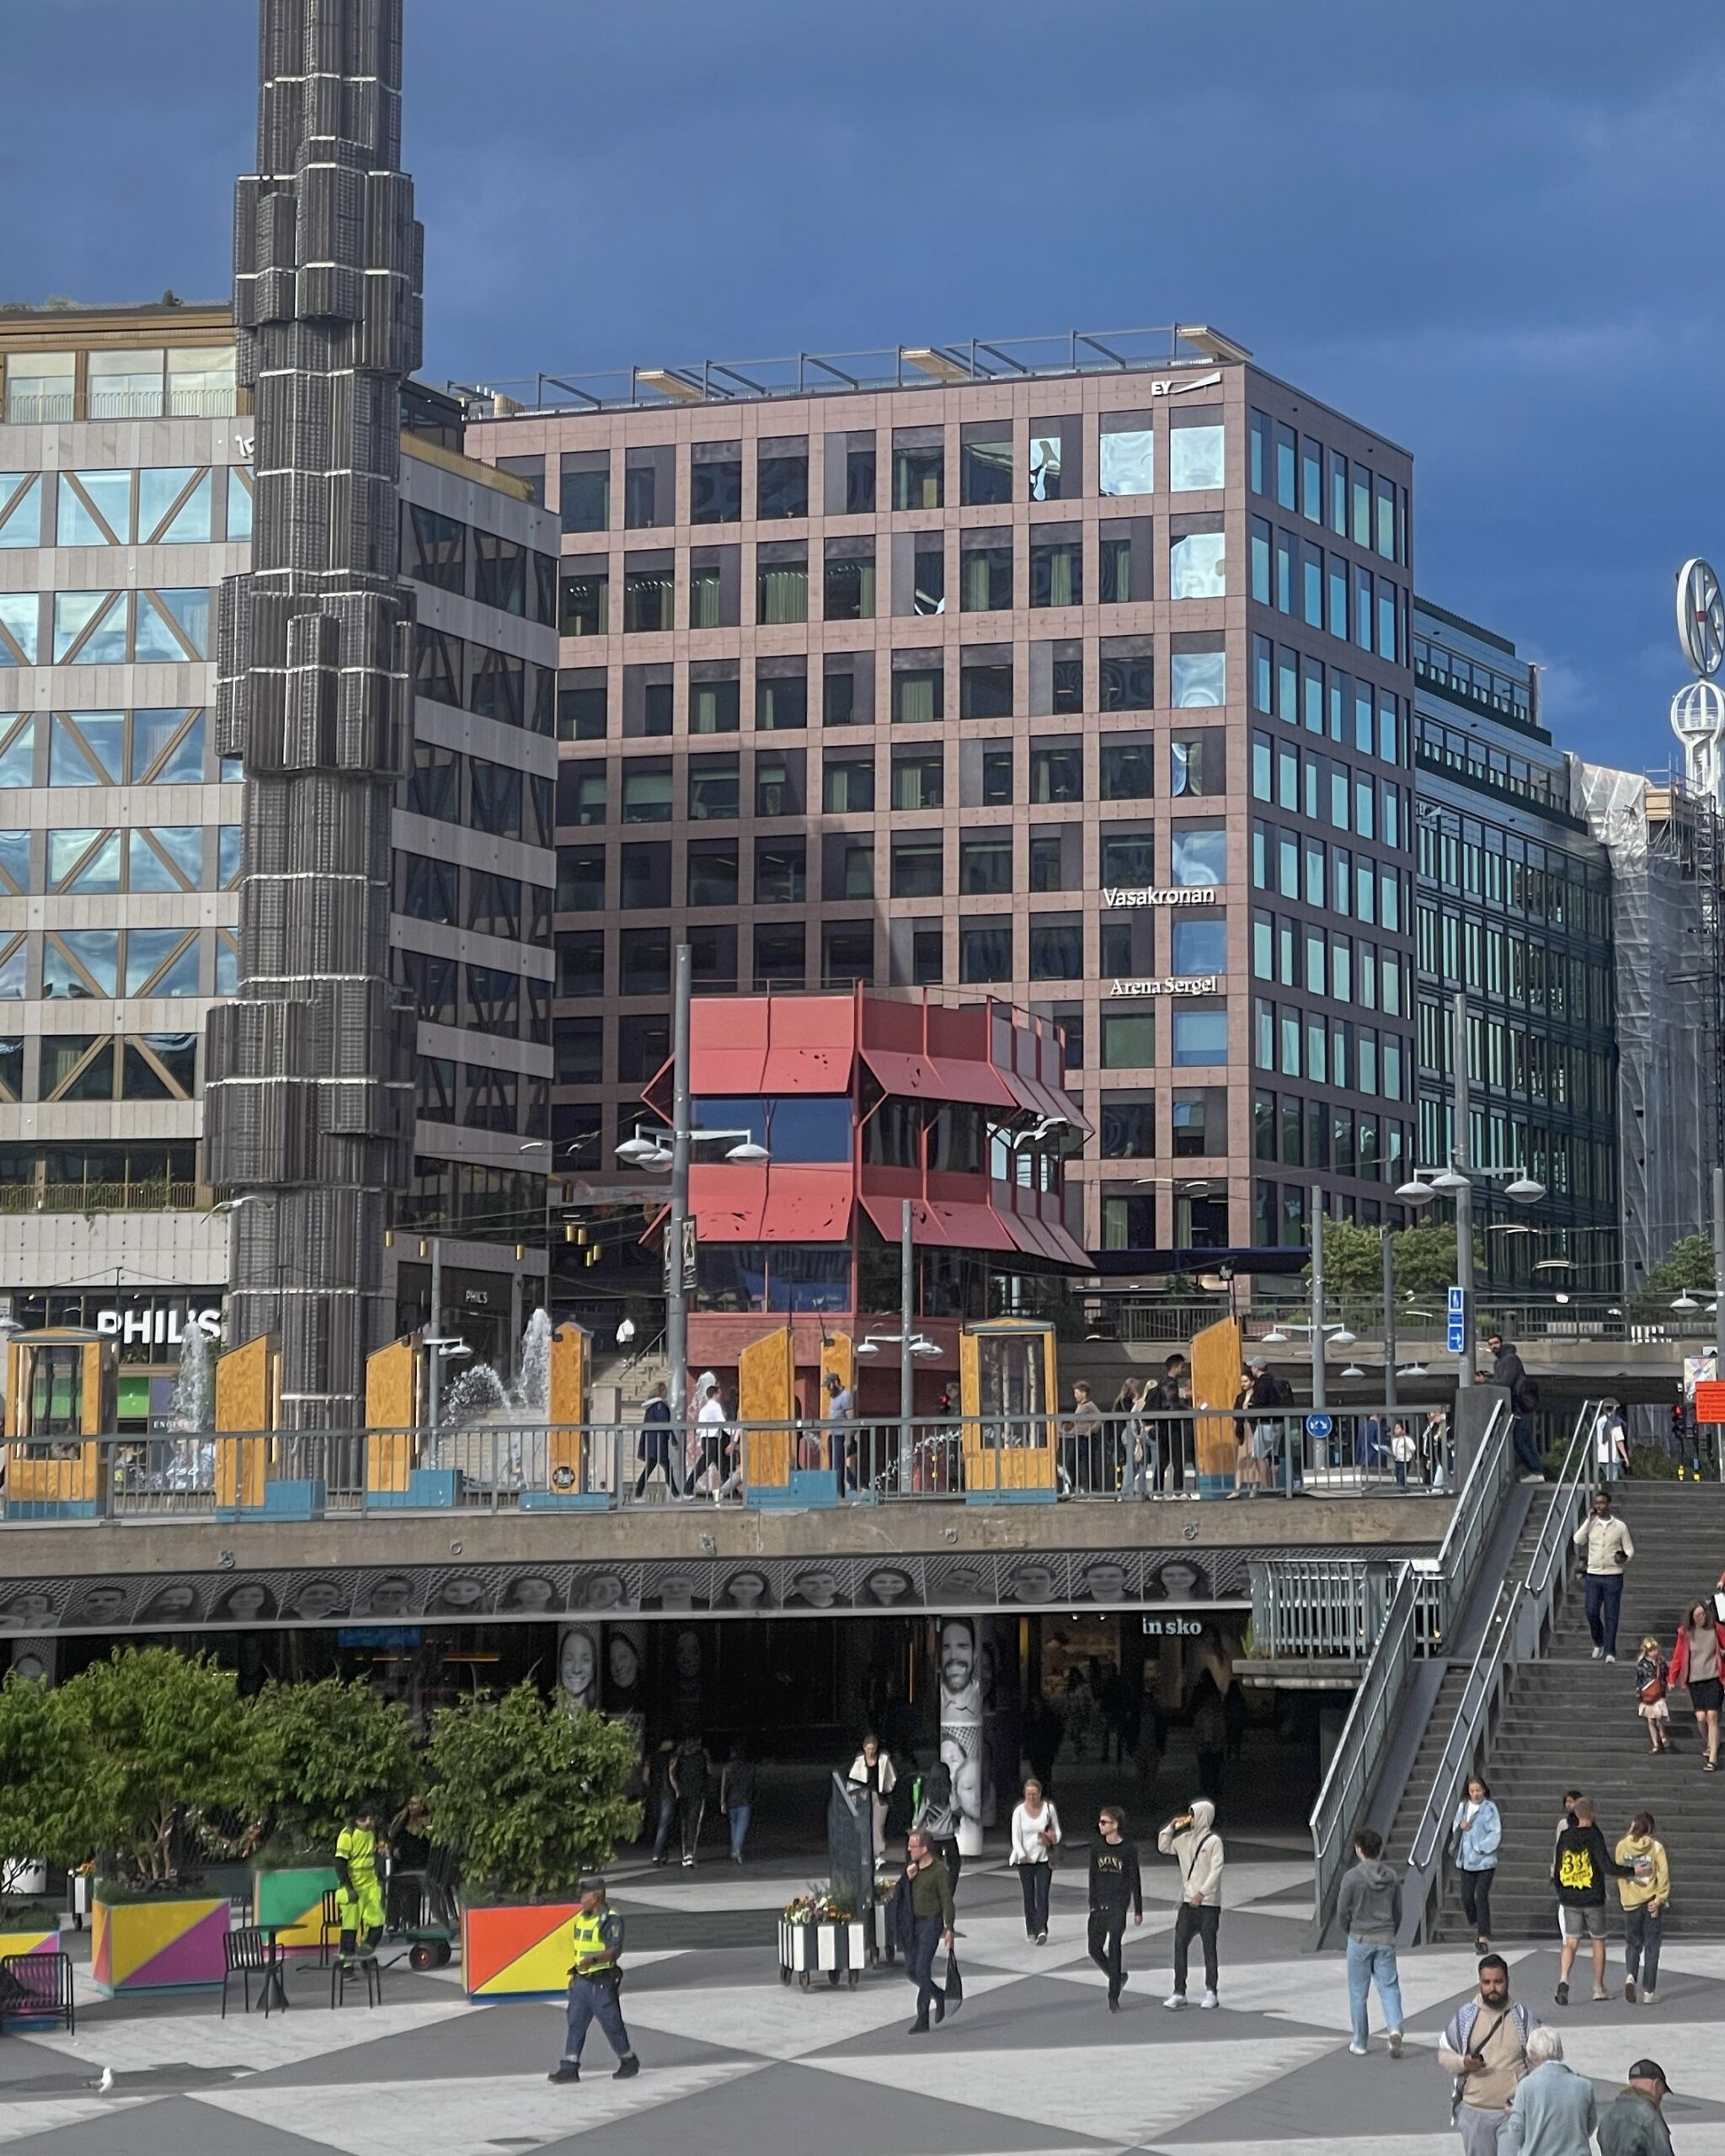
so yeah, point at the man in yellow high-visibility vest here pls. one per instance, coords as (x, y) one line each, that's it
(358, 1893)
(595, 1979)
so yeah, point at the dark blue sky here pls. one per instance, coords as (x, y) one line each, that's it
(1489, 227)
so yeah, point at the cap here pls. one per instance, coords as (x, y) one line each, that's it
(1648, 2069)
(1256, 1362)
(593, 1882)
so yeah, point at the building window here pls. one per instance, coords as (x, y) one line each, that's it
(1198, 763)
(580, 880)
(437, 548)
(1128, 1127)
(646, 875)
(848, 785)
(500, 573)
(781, 478)
(985, 577)
(848, 593)
(1128, 1040)
(582, 705)
(916, 868)
(916, 781)
(778, 784)
(781, 585)
(985, 462)
(1197, 856)
(1124, 678)
(1200, 1037)
(919, 479)
(716, 483)
(1200, 946)
(847, 953)
(649, 490)
(643, 1046)
(647, 796)
(1197, 678)
(1127, 771)
(859, 475)
(712, 789)
(1199, 1124)
(712, 875)
(580, 793)
(928, 575)
(919, 692)
(1195, 458)
(1056, 771)
(583, 491)
(1056, 573)
(434, 783)
(1128, 864)
(984, 687)
(1127, 462)
(713, 707)
(781, 873)
(643, 961)
(779, 957)
(1056, 950)
(986, 950)
(1045, 867)
(986, 864)
(1196, 566)
(583, 606)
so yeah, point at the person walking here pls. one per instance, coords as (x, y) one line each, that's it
(691, 1774)
(871, 1775)
(1645, 1894)
(1552, 2112)
(1476, 1834)
(1698, 1668)
(1173, 1397)
(1368, 1909)
(1579, 1871)
(923, 1918)
(1610, 1445)
(1484, 2047)
(1035, 1837)
(1083, 1431)
(937, 1818)
(1127, 1436)
(1191, 1839)
(661, 1805)
(655, 1448)
(596, 1983)
(1116, 1885)
(1635, 2125)
(841, 1409)
(736, 1796)
(1652, 1679)
(1608, 1546)
(1508, 1371)
(359, 1898)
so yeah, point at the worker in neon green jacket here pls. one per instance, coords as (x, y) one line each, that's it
(359, 1898)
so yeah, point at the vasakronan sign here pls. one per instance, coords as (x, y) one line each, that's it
(1169, 984)
(1181, 894)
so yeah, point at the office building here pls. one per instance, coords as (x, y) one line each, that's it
(1076, 674)
(1515, 907)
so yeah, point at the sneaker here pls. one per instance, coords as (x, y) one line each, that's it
(1113, 2002)
(1597, 1653)
(688, 1864)
(1357, 2049)
(628, 2067)
(1561, 1994)
(1600, 1998)
(1395, 2043)
(564, 2072)
(1175, 2000)
(661, 1859)
(917, 2029)
(1629, 1990)
(1209, 1999)
(1042, 1939)
(1611, 1657)
(1650, 1998)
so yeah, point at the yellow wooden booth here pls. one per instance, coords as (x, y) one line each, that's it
(1215, 1384)
(62, 1394)
(247, 1407)
(1007, 1372)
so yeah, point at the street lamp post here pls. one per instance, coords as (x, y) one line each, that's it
(1464, 1195)
(907, 1384)
(676, 1293)
(1319, 1397)
(1389, 1320)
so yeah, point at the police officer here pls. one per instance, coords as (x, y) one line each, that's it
(595, 1982)
(359, 1897)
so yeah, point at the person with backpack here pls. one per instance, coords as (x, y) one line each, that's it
(1485, 2047)
(1608, 1546)
(1508, 1371)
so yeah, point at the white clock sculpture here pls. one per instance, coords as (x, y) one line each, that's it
(1698, 710)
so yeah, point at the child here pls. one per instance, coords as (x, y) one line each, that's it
(1651, 1673)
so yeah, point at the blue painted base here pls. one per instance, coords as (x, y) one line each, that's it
(810, 1489)
(1216, 1485)
(429, 1489)
(53, 1508)
(1012, 1497)
(291, 1501)
(565, 1501)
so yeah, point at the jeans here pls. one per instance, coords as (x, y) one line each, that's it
(838, 1455)
(919, 1962)
(590, 2001)
(1372, 1961)
(1643, 1933)
(1199, 1923)
(1605, 1597)
(740, 1815)
(1477, 1901)
(1033, 1884)
(1526, 1451)
(1107, 1928)
(693, 1811)
(667, 1815)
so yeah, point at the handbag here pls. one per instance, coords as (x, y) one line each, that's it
(954, 1988)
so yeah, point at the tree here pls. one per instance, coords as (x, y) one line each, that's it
(166, 1737)
(324, 1746)
(1423, 1258)
(1686, 1266)
(45, 1814)
(530, 1794)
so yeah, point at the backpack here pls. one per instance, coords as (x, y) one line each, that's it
(1283, 1392)
(1524, 1400)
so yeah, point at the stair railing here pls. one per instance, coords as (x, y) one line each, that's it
(1520, 1623)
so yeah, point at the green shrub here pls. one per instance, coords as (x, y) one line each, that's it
(323, 1750)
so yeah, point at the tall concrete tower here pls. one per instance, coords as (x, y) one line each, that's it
(309, 1095)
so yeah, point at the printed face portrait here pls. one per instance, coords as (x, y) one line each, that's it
(1181, 1580)
(675, 1591)
(172, 1604)
(1032, 1582)
(387, 1597)
(967, 1788)
(604, 1590)
(319, 1598)
(102, 1605)
(746, 1590)
(248, 1602)
(622, 1660)
(686, 1656)
(957, 1662)
(29, 1610)
(462, 1595)
(814, 1590)
(533, 1593)
(578, 1665)
(1105, 1581)
(889, 1586)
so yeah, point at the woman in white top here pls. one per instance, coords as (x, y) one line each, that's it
(1036, 1835)
(872, 1770)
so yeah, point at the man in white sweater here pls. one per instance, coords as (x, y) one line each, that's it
(1191, 1839)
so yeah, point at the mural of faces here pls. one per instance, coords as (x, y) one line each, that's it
(578, 1665)
(960, 1687)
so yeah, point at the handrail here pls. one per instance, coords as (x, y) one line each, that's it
(1363, 1735)
(1513, 1634)
(1475, 1508)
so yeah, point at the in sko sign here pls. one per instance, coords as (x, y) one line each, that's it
(1184, 894)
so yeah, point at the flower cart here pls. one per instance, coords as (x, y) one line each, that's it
(819, 1932)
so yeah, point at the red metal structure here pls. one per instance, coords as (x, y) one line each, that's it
(862, 1101)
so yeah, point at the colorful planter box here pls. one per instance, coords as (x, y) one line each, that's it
(169, 1945)
(36, 1940)
(518, 1950)
(834, 1950)
(291, 1902)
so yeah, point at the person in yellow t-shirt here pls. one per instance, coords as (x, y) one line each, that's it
(1644, 1895)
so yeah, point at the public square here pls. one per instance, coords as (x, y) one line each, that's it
(736, 2064)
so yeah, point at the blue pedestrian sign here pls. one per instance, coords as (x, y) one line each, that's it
(1319, 1426)
(1457, 1336)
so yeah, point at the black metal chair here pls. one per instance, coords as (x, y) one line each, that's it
(37, 1987)
(365, 1971)
(245, 1954)
(328, 1926)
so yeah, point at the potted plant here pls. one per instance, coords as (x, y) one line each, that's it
(321, 1749)
(821, 1930)
(528, 1793)
(168, 1745)
(45, 1812)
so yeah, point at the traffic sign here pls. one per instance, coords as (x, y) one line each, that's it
(1456, 1339)
(1710, 1400)
(1319, 1426)
(1458, 1304)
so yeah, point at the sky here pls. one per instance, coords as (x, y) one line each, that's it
(1487, 229)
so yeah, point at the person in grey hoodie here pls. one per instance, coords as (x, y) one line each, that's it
(1369, 1909)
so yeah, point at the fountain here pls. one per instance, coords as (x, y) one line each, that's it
(191, 1464)
(493, 1430)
